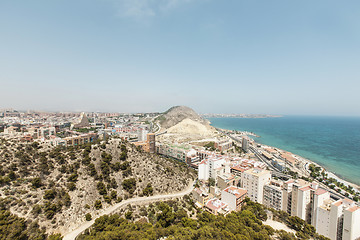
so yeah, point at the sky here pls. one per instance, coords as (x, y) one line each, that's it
(255, 56)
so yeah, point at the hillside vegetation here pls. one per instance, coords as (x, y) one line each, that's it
(167, 220)
(58, 188)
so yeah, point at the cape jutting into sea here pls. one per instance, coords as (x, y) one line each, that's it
(332, 142)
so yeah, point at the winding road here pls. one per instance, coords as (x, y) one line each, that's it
(77, 231)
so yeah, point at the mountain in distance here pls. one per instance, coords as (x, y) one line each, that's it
(177, 114)
(182, 124)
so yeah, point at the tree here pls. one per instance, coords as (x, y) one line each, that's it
(211, 182)
(166, 217)
(92, 169)
(113, 194)
(128, 215)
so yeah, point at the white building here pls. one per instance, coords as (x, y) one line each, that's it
(233, 197)
(210, 167)
(203, 170)
(254, 181)
(338, 220)
(273, 195)
(142, 134)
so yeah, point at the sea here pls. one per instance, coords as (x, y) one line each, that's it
(332, 142)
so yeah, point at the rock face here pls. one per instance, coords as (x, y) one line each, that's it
(182, 124)
(177, 114)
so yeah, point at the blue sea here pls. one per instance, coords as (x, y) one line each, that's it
(333, 142)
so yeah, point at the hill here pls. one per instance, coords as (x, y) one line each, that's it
(177, 114)
(183, 124)
(58, 187)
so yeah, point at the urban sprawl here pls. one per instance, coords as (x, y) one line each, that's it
(230, 168)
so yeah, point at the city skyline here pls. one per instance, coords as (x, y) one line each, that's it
(288, 58)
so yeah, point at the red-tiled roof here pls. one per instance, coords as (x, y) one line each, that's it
(238, 168)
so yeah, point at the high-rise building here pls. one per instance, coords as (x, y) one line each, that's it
(254, 181)
(245, 143)
(273, 194)
(338, 219)
(151, 142)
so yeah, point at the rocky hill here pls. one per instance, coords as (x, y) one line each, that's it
(57, 188)
(183, 124)
(177, 114)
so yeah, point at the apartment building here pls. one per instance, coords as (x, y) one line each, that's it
(81, 139)
(254, 181)
(338, 220)
(245, 143)
(149, 144)
(216, 206)
(210, 167)
(234, 197)
(273, 195)
(178, 152)
(223, 145)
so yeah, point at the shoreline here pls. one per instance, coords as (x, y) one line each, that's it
(306, 161)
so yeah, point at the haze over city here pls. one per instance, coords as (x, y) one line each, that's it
(271, 57)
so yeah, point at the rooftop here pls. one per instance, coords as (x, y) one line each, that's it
(353, 209)
(238, 192)
(320, 191)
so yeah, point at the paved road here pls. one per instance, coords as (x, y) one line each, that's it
(77, 231)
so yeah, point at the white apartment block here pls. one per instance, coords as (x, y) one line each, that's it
(234, 197)
(254, 181)
(338, 220)
(210, 167)
(273, 195)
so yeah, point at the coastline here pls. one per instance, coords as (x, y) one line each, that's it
(330, 174)
(306, 162)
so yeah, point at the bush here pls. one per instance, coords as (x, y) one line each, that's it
(148, 190)
(55, 237)
(107, 199)
(97, 204)
(113, 194)
(128, 215)
(129, 185)
(101, 188)
(36, 182)
(50, 194)
(88, 217)
(73, 177)
(71, 186)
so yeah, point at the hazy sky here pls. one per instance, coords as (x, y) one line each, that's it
(269, 56)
